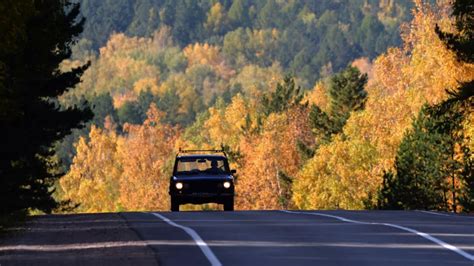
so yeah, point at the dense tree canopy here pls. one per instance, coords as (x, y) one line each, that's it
(319, 104)
(434, 166)
(309, 35)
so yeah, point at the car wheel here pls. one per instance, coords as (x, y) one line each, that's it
(174, 205)
(229, 205)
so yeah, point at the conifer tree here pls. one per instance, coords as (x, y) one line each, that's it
(286, 95)
(428, 167)
(461, 100)
(32, 122)
(421, 165)
(347, 94)
(462, 42)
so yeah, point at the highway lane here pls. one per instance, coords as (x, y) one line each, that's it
(244, 238)
(281, 238)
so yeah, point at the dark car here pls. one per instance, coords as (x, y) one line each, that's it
(202, 176)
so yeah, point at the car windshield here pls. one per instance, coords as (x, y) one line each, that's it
(197, 165)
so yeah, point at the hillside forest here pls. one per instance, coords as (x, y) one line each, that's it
(319, 104)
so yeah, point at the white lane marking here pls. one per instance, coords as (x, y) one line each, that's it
(219, 243)
(197, 239)
(424, 235)
(435, 213)
(445, 214)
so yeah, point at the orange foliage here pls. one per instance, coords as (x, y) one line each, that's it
(145, 155)
(268, 153)
(403, 80)
(112, 173)
(145, 84)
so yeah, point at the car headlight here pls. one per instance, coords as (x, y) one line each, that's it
(227, 184)
(179, 185)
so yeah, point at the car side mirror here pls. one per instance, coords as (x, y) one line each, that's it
(233, 171)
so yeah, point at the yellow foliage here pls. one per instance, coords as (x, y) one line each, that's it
(255, 80)
(206, 54)
(431, 67)
(264, 40)
(258, 185)
(183, 88)
(403, 80)
(224, 125)
(332, 179)
(145, 84)
(215, 18)
(111, 173)
(145, 155)
(318, 96)
(93, 180)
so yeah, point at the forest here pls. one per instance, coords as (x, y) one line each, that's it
(319, 104)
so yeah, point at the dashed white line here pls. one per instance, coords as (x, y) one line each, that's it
(197, 239)
(424, 235)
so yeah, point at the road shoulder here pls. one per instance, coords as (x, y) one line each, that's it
(79, 239)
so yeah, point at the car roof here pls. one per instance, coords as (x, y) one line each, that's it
(201, 156)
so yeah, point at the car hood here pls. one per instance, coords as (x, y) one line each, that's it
(201, 177)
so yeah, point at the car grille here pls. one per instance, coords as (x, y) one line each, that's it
(202, 186)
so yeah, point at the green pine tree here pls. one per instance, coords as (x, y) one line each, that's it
(321, 124)
(347, 94)
(30, 81)
(461, 100)
(421, 163)
(287, 94)
(428, 168)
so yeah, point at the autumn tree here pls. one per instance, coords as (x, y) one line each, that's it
(395, 94)
(462, 41)
(335, 177)
(112, 172)
(146, 157)
(439, 153)
(216, 21)
(272, 156)
(93, 181)
(225, 123)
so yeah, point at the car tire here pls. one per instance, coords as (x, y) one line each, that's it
(229, 205)
(174, 205)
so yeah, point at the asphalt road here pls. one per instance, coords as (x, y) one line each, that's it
(244, 238)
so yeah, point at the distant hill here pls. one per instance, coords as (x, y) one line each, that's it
(314, 36)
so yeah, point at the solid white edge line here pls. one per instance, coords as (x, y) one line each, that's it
(445, 214)
(197, 239)
(435, 213)
(424, 235)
